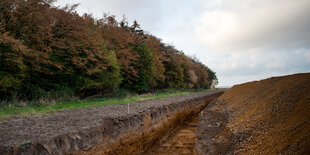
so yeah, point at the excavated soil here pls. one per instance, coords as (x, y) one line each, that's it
(270, 116)
(103, 130)
(181, 141)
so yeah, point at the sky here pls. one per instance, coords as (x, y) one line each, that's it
(240, 40)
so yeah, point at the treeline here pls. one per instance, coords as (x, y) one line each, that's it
(46, 48)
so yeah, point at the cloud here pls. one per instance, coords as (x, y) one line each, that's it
(237, 67)
(304, 53)
(256, 24)
(152, 15)
(255, 39)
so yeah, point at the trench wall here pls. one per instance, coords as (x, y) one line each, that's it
(130, 134)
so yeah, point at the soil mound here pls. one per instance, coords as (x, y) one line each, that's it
(270, 116)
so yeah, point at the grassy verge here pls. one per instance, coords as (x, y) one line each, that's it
(8, 111)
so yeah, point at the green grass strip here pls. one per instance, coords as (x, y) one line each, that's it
(8, 111)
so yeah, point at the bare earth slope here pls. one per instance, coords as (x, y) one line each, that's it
(271, 116)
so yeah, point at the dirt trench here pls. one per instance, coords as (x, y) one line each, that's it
(181, 141)
(103, 130)
(173, 134)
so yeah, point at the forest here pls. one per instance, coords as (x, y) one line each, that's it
(52, 50)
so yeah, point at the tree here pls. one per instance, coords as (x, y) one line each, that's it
(174, 77)
(153, 44)
(145, 66)
(44, 48)
(212, 74)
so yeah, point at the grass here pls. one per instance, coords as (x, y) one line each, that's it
(12, 110)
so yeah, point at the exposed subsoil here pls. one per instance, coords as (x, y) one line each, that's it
(152, 134)
(270, 116)
(72, 130)
(181, 141)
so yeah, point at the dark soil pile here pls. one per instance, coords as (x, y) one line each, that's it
(270, 116)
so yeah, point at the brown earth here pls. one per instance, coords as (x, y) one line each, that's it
(109, 128)
(181, 141)
(155, 131)
(270, 116)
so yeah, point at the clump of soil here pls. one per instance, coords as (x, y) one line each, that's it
(270, 116)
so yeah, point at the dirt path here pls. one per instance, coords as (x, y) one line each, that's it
(182, 141)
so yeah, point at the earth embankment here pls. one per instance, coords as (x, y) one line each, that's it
(270, 116)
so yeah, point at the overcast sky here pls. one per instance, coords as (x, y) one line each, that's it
(240, 40)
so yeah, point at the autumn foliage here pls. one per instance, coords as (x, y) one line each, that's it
(47, 48)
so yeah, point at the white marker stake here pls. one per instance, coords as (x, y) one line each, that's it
(128, 108)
